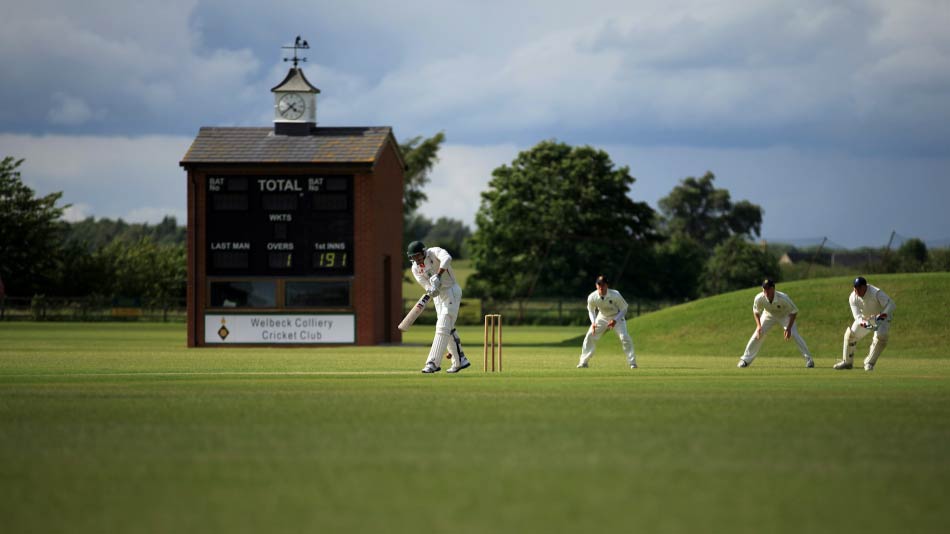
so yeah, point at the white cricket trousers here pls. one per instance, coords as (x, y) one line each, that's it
(447, 303)
(768, 321)
(590, 340)
(856, 332)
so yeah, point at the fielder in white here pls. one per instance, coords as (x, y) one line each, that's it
(607, 309)
(872, 310)
(432, 268)
(769, 308)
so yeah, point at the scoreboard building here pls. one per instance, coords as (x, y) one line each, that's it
(295, 231)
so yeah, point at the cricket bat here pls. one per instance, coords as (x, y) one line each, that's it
(414, 313)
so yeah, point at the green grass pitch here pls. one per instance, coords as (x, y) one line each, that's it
(120, 428)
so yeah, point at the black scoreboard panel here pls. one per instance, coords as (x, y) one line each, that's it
(280, 225)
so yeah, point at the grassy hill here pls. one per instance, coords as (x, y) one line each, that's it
(721, 325)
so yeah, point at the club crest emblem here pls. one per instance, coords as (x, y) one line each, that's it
(223, 331)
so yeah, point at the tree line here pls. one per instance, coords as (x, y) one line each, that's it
(548, 223)
(40, 254)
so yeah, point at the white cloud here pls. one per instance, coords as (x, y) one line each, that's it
(133, 178)
(70, 110)
(134, 64)
(77, 212)
(154, 215)
(460, 176)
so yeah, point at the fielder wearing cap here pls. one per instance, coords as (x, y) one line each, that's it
(872, 310)
(606, 308)
(432, 268)
(771, 307)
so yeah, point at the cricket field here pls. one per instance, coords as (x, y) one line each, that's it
(116, 427)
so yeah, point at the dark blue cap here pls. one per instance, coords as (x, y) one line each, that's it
(860, 281)
(768, 282)
(603, 280)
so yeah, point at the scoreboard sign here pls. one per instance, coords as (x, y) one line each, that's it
(280, 226)
(294, 234)
(280, 329)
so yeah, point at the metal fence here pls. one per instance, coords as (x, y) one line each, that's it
(88, 309)
(471, 311)
(532, 311)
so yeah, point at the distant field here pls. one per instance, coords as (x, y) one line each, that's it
(119, 428)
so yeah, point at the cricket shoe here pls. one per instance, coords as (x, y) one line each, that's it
(465, 365)
(843, 365)
(633, 365)
(430, 368)
(868, 367)
(582, 365)
(810, 363)
(742, 363)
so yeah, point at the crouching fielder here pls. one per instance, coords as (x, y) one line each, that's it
(769, 308)
(872, 310)
(432, 268)
(607, 309)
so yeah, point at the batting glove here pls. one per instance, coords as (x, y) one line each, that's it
(435, 281)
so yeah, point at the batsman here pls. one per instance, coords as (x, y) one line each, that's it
(432, 268)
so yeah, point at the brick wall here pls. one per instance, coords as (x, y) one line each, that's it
(378, 234)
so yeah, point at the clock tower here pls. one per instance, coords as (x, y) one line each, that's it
(295, 99)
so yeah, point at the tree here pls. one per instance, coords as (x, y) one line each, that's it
(554, 219)
(30, 233)
(939, 260)
(415, 227)
(449, 234)
(912, 256)
(95, 234)
(145, 269)
(680, 264)
(420, 156)
(695, 208)
(737, 264)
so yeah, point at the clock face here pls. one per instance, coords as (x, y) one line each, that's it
(291, 106)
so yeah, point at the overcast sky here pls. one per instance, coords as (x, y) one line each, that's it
(833, 116)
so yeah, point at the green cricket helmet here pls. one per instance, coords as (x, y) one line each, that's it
(415, 248)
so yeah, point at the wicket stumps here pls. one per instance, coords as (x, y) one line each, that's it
(492, 323)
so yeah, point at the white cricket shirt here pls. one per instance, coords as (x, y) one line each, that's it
(435, 258)
(611, 305)
(873, 303)
(781, 305)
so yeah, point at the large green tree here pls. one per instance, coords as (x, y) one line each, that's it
(555, 218)
(31, 233)
(697, 209)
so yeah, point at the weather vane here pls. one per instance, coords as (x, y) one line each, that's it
(299, 44)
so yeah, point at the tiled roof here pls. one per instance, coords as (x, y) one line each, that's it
(257, 145)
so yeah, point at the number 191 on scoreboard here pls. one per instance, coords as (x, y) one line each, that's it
(329, 260)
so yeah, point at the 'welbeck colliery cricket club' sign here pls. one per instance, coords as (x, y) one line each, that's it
(291, 329)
